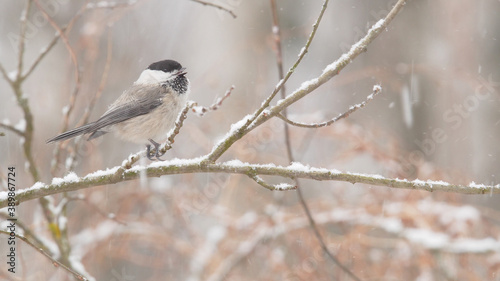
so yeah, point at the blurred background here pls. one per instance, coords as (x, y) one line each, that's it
(437, 118)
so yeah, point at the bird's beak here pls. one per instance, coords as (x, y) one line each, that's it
(181, 71)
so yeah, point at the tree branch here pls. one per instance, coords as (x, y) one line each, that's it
(186, 166)
(252, 121)
(272, 187)
(376, 90)
(55, 262)
(12, 129)
(215, 6)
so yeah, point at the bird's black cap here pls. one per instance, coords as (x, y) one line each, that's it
(165, 65)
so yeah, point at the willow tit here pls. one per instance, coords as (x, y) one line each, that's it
(144, 112)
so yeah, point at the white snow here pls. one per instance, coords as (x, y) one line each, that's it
(475, 185)
(307, 84)
(71, 177)
(234, 128)
(245, 221)
(21, 125)
(467, 245)
(12, 75)
(235, 163)
(101, 173)
(284, 186)
(65, 110)
(344, 57)
(427, 238)
(302, 51)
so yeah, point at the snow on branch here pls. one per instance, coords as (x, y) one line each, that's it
(376, 90)
(197, 165)
(262, 114)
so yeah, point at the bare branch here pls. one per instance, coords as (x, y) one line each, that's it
(22, 39)
(53, 42)
(291, 159)
(42, 54)
(201, 110)
(215, 6)
(6, 76)
(28, 234)
(376, 90)
(12, 129)
(55, 262)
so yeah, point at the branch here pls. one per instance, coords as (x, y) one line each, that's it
(28, 234)
(197, 165)
(52, 43)
(291, 158)
(215, 6)
(167, 145)
(22, 40)
(55, 262)
(6, 76)
(376, 90)
(272, 187)
(12, 129)
(306, 88)
(201, 110)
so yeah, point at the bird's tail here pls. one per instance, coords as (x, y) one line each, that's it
(72, 133)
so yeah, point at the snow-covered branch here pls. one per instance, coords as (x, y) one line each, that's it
(72, 182)
(260, 116)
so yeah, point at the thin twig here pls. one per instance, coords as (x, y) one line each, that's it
(291, 158)
(175, 131)
(272, 187)
(6, 76)
(57, 36)
(55, 262)
(28, 234)
(22, 39)
(308, 87)
(42, 54)
(201, 110)
(167, 145)
(91, 105)
(215, 6)
(237, 134)
(12, 129)
(376, 90)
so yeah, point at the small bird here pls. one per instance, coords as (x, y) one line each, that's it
(144, 112)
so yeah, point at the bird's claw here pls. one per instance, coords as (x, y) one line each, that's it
(157, 154)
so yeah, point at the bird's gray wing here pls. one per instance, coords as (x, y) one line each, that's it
(146, 103)
(126, 111)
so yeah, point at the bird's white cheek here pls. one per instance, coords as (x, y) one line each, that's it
(149, 76)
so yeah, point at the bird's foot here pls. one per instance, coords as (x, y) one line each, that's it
(151, 156)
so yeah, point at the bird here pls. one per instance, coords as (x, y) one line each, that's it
(145, 112)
